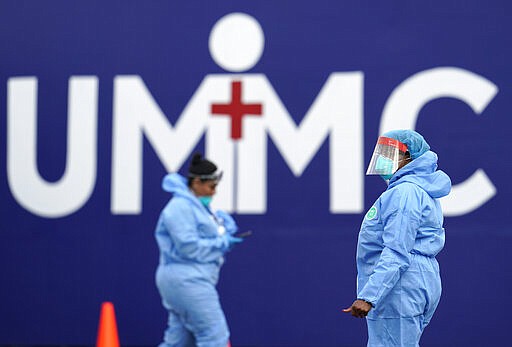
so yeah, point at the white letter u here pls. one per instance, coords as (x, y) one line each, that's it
(61, 198)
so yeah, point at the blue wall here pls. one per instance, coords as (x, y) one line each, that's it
(286, 284)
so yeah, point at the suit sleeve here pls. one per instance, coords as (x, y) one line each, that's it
(401, 215)
(180, 222)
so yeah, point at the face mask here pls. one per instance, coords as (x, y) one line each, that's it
(205, 200)
(384, 165)
(386, 177)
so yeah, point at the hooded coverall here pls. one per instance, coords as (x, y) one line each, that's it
(192, 245)
(399, 238)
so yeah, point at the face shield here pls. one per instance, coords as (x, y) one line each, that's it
(215, 176)
(386, 156)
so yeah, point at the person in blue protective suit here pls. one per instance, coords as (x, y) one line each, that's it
(193, 240)
(398, 281)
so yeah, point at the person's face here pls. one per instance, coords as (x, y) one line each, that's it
(203, 188)
(404, 160)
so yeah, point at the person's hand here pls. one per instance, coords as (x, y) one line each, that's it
(233, 241)
(228, 221)
(359, 308)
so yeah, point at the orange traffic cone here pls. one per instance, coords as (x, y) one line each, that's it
(107, 329)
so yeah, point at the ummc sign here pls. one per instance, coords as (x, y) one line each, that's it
(237, 114)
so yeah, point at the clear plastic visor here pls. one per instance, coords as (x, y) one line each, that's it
(386, 156)
(216, 176)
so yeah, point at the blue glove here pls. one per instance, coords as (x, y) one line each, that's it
(228, 222)
(233, 241)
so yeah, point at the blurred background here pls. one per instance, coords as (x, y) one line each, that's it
(100, 99)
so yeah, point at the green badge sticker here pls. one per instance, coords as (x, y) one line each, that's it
(371, 213)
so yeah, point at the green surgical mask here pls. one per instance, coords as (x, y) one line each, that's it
(386, 177)
(384, 165)
(205, 200)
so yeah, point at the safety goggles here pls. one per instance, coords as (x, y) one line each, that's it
(215, 176)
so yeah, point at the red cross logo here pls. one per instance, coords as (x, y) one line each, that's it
(236, 110)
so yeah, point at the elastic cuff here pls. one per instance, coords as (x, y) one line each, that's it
(368, 302)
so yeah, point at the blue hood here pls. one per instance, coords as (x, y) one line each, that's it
(177, 185)
(423, 172)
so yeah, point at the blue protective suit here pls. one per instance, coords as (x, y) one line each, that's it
(399, 238)
(191, 254)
